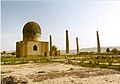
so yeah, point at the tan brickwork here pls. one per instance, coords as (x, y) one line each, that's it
(31, 45)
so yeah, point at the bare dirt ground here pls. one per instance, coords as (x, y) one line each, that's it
(57, 73)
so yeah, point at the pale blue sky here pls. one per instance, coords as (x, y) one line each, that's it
(81, 18)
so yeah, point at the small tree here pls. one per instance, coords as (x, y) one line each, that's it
(114, 50)
(107, 50)
(13, 53)
(3, 52)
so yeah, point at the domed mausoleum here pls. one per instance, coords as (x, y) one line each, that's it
(31, 44)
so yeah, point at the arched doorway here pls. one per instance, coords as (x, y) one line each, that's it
(34, 48)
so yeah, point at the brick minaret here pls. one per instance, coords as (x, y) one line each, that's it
(50, 44)
(77, 44)
(98, 43)
(67, 42)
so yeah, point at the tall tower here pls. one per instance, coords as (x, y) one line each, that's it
(50, 44)
(67, 42)
(77, 44)
(98, 43)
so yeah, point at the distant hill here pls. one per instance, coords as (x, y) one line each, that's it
(93, 49)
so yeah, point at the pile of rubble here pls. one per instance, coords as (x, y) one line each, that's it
(13, 80)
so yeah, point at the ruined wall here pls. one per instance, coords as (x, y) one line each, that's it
(45, 48)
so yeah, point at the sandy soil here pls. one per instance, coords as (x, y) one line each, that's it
(57, 73)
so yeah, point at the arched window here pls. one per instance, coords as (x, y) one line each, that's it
(34, 48)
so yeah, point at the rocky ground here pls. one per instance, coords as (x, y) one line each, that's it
(57, 73)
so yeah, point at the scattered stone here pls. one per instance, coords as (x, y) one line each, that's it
(3, 72)
(9, 80)
(41, 71)
(72, 81)
(13, 80)
(106, 79)
(70, 69)
(24, 81)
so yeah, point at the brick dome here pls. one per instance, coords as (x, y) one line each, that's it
(32, 28)
(31, 31)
